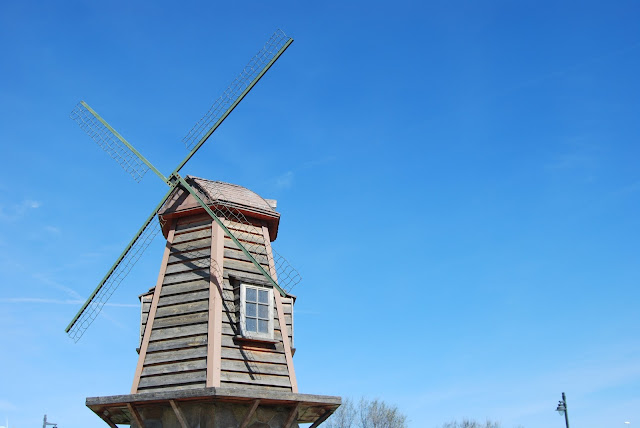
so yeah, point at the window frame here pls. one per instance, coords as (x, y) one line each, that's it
(269, 335)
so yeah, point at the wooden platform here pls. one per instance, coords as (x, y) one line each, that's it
(300, 408)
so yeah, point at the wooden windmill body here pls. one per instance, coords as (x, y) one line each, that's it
(202, 361)
(216, 334)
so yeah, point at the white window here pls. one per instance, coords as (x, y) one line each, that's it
(256, 311)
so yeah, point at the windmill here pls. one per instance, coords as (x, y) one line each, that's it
(217, 329)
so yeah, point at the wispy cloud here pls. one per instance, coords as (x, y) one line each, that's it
(53, 230)
(6, 405)
(15, 211)
(61, 302)
(285, 181)
(48, 281)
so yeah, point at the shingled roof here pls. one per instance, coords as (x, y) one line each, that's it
(180, 203)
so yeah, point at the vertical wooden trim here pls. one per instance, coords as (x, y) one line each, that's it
(284, 331)
(179, 414)
(152, 309)
(249, 414)
(214, 328)
(135, 415)
(292, 416)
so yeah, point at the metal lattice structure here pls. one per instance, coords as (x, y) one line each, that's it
(109, 140)
(232, 94)
(287, 276)
(137, 165)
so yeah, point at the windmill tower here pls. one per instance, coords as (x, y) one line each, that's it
(216, 333)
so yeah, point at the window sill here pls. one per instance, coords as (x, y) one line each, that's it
(255, 340)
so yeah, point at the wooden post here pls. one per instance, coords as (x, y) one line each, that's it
(281, 319)
(214, 328)
(152, 310)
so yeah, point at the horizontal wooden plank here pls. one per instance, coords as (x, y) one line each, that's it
(254, 367)
(182, 366)
(237, 254)
(189, 265)
(186, 276)
(173, 379)
(182, 320)
(239, 265)
(236, 353)
(192, 222)
(175, 299)
(173, 388)
(175, 332)
(176, 355)
(184, 287)
(246, 378)
(191, 254)
(179, 343)
(191, 245)
(182, 309)
(199, 233)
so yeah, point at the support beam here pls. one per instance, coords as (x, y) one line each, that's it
(179, 414)
(322, 418)
(281, 318)
(292, 416)
(135, 415)
(152, 310)
(104, 415)
(214, 329)
(249, 414)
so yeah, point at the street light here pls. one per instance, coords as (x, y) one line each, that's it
(562, 409)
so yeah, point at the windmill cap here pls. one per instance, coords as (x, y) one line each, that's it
(249, 203)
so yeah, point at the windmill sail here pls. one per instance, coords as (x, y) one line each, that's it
(109, 140)
(252, 72)
(118, 272)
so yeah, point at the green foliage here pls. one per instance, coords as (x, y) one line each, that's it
(366, 414)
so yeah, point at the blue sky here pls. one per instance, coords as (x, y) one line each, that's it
(458, 183)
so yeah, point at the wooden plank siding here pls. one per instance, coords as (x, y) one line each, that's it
(178, 354)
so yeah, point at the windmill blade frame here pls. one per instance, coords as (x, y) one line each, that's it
(116, 274)
(136, 164)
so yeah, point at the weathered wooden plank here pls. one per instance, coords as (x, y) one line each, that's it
(176, 355)
(192, 235)
(182, 309)
(178, 343)
(186, 223)
(174, 332)
(191, 245)
(189, 265)
(239, 265)
(255, 367)
(186, 276)
(175, 299)
(179, 367)
(182, 320)
(250, 277)
(184, 287)
(173, 388)
(173, 379)
(246, 378)
(237, 254)
(236, 353)
(256, 387)
(193, 253)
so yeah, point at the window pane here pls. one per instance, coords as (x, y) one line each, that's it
(263, 311)
(251, 325)
(251, 310)
(251, 294)
(264, 296)
(263, 326)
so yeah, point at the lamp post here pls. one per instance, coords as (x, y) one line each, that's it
(562, 409)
